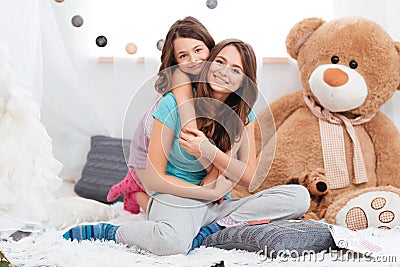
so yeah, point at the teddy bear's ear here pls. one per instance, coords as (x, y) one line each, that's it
(321, 171)
(299, 34)
(397, 45)
(303, 178)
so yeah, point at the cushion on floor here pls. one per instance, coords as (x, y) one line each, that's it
(275, 238)
(105, 166)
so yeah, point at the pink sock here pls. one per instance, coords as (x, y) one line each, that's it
(130, 203)
(127, 185)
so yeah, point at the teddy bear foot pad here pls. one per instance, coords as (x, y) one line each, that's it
(380, 209)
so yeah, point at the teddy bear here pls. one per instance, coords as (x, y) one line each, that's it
(321, 197)
(349, 67)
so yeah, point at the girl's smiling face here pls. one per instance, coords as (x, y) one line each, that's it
(226, 73)
(190, 54)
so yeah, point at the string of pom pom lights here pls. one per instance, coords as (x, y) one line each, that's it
(107, 37)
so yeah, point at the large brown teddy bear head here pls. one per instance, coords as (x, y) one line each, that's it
(347, 65)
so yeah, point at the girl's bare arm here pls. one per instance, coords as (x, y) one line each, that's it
(183, 92)
(156, 179)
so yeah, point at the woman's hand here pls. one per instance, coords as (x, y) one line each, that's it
(191, 139)
(197, 144)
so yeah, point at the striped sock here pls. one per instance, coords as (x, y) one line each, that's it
(204, 232)
(101, 231)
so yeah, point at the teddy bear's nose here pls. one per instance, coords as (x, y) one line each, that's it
(335, 77)
(321, 186)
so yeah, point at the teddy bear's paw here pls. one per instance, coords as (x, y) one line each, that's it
(380, 209)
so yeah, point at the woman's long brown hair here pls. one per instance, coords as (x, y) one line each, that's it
(223, 123)
(189, 27)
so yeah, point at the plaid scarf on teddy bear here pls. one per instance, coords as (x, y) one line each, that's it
(333, 149)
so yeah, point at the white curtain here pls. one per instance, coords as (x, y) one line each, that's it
(28, 170)
(20, 37)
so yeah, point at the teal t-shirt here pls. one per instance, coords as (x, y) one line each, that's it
(180, 164)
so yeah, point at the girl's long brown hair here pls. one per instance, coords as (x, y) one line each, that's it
(223, 123)
(189, 27)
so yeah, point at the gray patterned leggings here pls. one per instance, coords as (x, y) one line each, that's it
(175, 221)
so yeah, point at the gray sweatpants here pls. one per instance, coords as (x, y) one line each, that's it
(175, 221)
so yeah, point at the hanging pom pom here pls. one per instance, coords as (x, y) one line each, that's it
(77, 21)
(101, 41)
(211, 4)
(131, 48)
(160, 44)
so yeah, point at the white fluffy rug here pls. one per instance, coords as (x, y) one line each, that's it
(48, 248)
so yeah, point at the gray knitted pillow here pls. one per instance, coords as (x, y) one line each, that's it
(278, 238)
(104, 167)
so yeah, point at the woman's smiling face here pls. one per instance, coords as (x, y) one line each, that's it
(226, 73)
